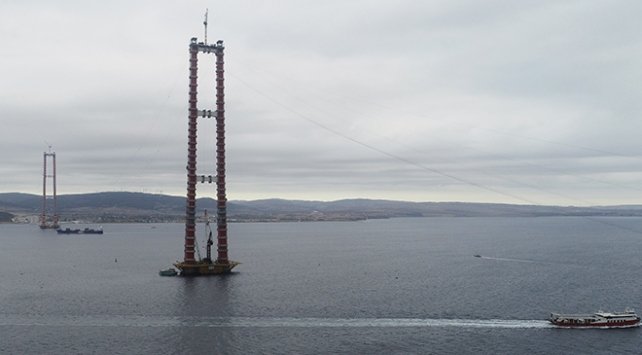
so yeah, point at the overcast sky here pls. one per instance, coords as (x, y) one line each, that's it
(529, 102)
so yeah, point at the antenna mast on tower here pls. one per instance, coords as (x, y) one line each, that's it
(205, 25)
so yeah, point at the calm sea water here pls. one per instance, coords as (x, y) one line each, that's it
(400, 286)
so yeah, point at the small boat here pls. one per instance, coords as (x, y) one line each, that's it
(477, 256)
(67, 231)
(626, 319)
(79, 231)
(168, 272)
(92, 231)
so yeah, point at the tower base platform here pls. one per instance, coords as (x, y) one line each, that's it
(205, 268)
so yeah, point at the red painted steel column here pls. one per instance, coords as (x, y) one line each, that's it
(44, 191)
(221, 225)
(190, 216)
(55, 196)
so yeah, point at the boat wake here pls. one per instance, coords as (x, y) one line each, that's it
(508, 259)
(264, 322)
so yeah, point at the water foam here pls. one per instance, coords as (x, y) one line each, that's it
(263, 322)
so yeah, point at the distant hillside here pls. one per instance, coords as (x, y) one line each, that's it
(141, 207)
(5, 217)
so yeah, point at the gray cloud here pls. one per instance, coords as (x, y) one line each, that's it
(491, 101)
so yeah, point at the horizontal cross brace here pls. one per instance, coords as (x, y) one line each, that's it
(207, 113)
(206, 178)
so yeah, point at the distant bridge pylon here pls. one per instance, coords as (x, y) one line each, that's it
(49, 213)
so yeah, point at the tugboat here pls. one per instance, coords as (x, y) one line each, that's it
(168, 272)
(626, 319)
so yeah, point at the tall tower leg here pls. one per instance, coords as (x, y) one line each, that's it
(55, 196)
(43, 213)
(221, 225)
(190, 212)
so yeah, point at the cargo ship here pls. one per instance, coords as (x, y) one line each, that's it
(626, 319)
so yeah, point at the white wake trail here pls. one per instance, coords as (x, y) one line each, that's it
(263, 322)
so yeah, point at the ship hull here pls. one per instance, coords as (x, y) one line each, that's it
(68, 231)
(602, 325)
(92, 231)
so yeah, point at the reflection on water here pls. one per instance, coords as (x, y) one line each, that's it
(198, 299)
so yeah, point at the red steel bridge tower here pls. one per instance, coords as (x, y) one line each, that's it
(49, 213)
(191, 266)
